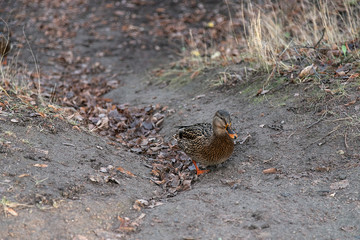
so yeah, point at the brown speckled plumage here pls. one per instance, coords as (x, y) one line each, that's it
(208, 144)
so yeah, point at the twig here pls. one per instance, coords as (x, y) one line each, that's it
(53, 92)
(316, 45)
(270, 76)
(69, 144)
(319, 120)
(291, 134)
(345, 140)
(245, 139)
(286, 48)
(148, 165)
(321, 38)
(341, 119)
(328, 134)
(37, 182)
(314, 123)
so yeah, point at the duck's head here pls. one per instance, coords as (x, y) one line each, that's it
(222, 124)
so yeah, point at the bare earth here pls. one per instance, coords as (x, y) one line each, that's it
(63, 184)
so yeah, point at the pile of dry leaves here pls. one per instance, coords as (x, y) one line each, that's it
(138, 130)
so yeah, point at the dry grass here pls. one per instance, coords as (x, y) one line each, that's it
(20, 87)
(20, 92)
(288, 25)
(273, 33)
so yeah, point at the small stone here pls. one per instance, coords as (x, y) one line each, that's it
(265, 225)
(342, 177)
(252, 227)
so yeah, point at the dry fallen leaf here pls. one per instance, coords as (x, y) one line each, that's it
(40, 165)
(350, 103)
(210, 24)
(270, 171)
(122, 170)
(262, 91)
(322, 169)
(307, 71)
(43, 115)
(76, 128)
(55, 109)
(341, 152)
(126, 225)
(126, 229)
(329, 91)
(194, 74)
(11, 211)
(340, 185)
(195, 53)
(39, 150)
(140, 203)
(137, 220)
(24, 175)
(348, 228)
(355, 75)
(341, 73)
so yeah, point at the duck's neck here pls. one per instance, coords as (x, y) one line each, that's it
(221, 139)
(217, 132)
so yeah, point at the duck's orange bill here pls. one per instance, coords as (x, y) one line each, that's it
(231, 133)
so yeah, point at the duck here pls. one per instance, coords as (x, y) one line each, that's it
(5, 47)
(208, 143)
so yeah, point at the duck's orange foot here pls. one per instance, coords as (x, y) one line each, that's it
(198, 171)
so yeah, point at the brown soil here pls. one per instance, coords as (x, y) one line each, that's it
(64, 184)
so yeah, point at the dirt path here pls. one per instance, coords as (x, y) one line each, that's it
(72, 187)
(238, 201)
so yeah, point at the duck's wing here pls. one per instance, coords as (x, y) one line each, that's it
(196, 131)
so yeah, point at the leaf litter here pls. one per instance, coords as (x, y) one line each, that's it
(138, 130)
(79, 94)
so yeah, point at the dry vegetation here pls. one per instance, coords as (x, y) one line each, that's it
(276, 33)
(282, 34)
(282, 37)
(286, 35)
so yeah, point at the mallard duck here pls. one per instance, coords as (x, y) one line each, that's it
(208, 144)
(5, 47)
